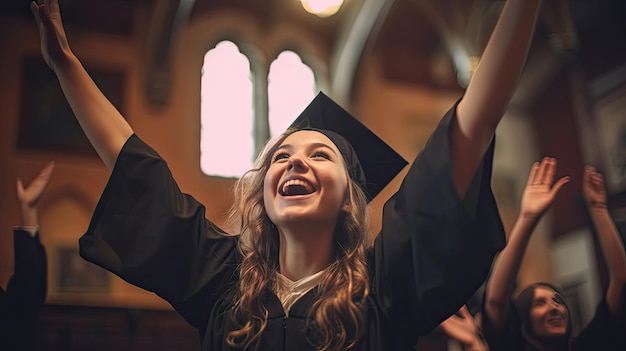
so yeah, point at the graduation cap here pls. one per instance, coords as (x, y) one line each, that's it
(371, 162)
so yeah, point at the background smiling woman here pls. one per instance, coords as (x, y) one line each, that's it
(538, 318)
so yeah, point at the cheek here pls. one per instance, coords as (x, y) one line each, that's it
(341, 187)
(270, 183)
(536, 316)
(340, 179)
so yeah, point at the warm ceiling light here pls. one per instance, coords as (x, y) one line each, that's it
(322, 8)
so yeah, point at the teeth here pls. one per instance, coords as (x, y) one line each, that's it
(555, 320)
(298, 182)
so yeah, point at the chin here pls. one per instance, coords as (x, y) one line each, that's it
(557, 334)
(557, 331)
(557, 342)
(554, 338)
(296, 216)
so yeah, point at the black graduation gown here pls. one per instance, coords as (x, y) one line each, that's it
(25, 294)
(432, 253)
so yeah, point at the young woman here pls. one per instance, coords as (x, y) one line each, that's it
(299, 274)
(538, 318)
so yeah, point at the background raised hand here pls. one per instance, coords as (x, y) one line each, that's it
(29, 196)
(541, 189)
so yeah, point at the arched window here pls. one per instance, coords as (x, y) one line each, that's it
(291, 86)
(227, 112)
(228, 115)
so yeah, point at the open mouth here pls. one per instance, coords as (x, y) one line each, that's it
(556, 320)
(295, 187)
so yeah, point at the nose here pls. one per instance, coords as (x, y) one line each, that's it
(297, 163)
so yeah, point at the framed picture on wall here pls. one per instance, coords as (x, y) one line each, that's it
(610, 114)
(73, 274)
(46, 120)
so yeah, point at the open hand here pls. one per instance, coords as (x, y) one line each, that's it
(463, 328)
(540, 188)
(594, 191)
(29, 196)
(54, 45)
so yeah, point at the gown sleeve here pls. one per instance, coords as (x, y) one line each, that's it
(507, 338)
(28, 286)
(604, 332)
(434, 249)
(25, 294)
(149, 233)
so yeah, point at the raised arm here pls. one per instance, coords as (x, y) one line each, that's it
(26, 290)
(491, 88)
(105, 127)
(610, 243)
(538, 195)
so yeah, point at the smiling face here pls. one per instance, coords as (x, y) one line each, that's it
(548, 314)
(306, 181)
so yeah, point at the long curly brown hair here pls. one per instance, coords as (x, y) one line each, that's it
(336, 318)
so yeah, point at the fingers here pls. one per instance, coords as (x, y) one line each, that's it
(559, 183)
(42, 11)
(30, 194)
(593, 175)
(20, 187)
(533, 173)
(54, 6)
(43, 177)
(546, 171)
(45, 15)
(538, 172)
(594, 190)
(543, 173)
(47, 170)
(550, 171)
(34, 8)
(465, 312)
